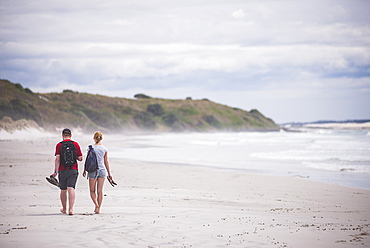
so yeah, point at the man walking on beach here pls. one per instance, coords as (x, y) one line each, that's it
(67, 152)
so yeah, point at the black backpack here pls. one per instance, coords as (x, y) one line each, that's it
(68, 154)
(91, 162)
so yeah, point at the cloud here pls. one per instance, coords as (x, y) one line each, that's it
(238, 14)
(226, 50)
(112, 60)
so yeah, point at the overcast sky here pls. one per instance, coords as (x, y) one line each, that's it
(291, 60)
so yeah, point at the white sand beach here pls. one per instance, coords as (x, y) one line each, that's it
(163, 205)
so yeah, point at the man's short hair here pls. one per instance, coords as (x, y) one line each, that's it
(66, 132)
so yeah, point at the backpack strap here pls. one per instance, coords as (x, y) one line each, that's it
(88, 152)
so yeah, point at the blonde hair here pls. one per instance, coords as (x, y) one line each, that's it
(98, 136)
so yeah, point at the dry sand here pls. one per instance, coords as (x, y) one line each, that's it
(158, 205)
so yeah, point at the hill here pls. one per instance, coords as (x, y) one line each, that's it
(96, 112)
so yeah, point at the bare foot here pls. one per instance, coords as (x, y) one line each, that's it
(97, 210)
(63, 211)
(70, 212)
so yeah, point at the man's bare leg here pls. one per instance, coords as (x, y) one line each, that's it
(71, 199)
(63, 199)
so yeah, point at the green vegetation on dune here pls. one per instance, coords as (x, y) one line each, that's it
(91, 112)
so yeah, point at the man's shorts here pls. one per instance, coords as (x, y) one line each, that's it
(68, 178)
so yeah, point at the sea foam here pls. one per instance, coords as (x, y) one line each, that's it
(308, 154)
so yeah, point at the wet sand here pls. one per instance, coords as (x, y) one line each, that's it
(162, 205)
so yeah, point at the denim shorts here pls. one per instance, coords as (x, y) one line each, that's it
(97, 174)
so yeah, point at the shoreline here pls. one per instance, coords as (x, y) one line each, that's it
(164, 205)
(251, 172)
(344, 177)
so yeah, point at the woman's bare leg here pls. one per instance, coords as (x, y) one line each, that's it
(92, 186)
(100, 185)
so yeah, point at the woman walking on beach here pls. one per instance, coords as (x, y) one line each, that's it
(97, 178)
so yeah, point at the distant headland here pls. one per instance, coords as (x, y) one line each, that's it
(20, 107)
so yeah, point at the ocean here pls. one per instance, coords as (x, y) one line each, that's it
(326, 155)
(331, 156)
